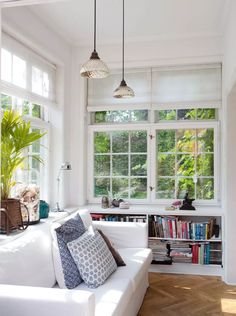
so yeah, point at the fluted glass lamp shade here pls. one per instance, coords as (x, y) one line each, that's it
(123, 91)
(94, 68)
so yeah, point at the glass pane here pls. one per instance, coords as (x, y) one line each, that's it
(206, 114)
(139, 115)
(205, 189)
(6, 102)
(186, 185)
(166, 165)
(25, 108)
(101, 142)
(166, 141)
(102, 117)
(138, 165)
(138, 141)
(6, 65)
(19, 72)
(186, 114)
(102, 165)
(120, 188)
(45, 85)
(36, 147)
(36, 110)
(165, 115)
(101, 186)
(37, 81)
(165, 188)
(205, 165)
(138, 188)
(120, 142)
(205, 140)
(185, 165)
(35, 164)
(186, 140)
(120, 165)
(120, 116)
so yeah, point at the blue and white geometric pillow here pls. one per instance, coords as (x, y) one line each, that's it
(69, 231)
(93, 258)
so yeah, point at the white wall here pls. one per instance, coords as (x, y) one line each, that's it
(229, 92)
(21, 23)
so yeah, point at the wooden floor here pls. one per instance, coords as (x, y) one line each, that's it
(171, 294)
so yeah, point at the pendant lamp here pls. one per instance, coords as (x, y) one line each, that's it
(94, 68)
(123, 91)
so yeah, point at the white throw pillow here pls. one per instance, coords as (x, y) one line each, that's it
(93, 258)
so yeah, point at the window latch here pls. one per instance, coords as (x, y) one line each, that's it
(151, 188)
(151, 136)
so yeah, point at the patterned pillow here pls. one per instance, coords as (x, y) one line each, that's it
(93, 258)
(70, 230)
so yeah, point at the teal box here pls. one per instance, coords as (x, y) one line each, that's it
(43, 209)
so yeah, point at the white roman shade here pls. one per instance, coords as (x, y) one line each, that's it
(100, 92)
(187, 87)
(26, 74)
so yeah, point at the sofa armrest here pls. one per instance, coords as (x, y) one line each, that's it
(37, 301)
(125, 234)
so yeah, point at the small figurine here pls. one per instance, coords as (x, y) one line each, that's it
(105, 202)
(187, 203)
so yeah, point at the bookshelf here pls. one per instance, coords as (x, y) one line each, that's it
(194, 247)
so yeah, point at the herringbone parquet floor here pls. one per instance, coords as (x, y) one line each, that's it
(188, 295)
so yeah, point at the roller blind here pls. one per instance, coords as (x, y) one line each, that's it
(160, 88)
(100, 92)
(26, 74)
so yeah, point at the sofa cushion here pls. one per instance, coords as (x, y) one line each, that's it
(119, 261)
(67, 273)
(113, 297)
(93, 258)
(137, 262)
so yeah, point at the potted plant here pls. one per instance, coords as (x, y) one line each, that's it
(16, 137)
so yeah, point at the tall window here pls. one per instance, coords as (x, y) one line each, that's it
(28, 85)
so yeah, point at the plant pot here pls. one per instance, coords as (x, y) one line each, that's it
(10, 216)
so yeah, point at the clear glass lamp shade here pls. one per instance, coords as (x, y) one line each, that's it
(94, 68)
(123, 91)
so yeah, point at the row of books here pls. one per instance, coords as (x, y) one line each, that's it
(166, 252)
(174, 227)
(119, 218)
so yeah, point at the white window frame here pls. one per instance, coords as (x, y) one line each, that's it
(151, 129)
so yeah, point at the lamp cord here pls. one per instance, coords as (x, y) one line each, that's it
(95, 22)
(123, 39)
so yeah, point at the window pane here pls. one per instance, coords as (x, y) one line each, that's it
(138, 188)
(139, 115)
(37, 81)
(205, 165)
(186, 140)
(101, 142)
(165, 115)
(186, 185)
(186, 114)
(122, 116)
(138, 165)
(120, 188)
(166, 141)
(36, 147)
(102, 165)
(19, 72)
(205, 189)
(101, 187)
(165, 188)
(206, 114)
(120, 165)
(26, 107)
(35, 164)
(6, 102)
(120, 142)
(138, 140)
(36, 110)
(6, 65)
(166, 165)
(185, 165)
(205, 140)
(45, 85)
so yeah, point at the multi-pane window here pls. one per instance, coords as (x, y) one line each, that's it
(121, 116)
(159, 160)
(120, 164)
(185, 163)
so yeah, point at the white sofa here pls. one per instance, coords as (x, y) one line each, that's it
(28, 284)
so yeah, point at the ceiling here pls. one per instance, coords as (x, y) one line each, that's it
(145, 20)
